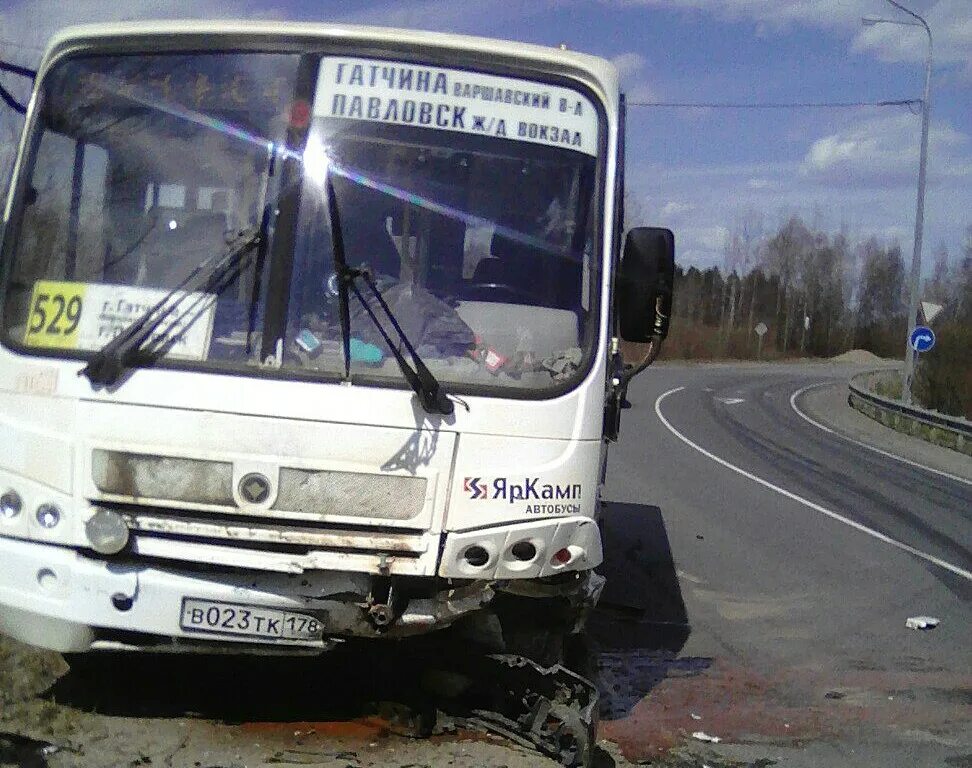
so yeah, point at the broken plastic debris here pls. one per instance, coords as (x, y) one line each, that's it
(703, 736)
(922, 622)
(696, 717)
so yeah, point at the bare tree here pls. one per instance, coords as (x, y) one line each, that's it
(937, 288)
(784, 253)
(741, 254)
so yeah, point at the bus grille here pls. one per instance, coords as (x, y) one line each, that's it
(265, 543)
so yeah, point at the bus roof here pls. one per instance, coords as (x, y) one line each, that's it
(602, 72)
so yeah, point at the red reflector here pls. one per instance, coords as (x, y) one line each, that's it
(562, 556)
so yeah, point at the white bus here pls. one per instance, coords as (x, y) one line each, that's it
(312, 333)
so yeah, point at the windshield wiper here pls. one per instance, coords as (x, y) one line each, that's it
(433, 398)
(126, 349)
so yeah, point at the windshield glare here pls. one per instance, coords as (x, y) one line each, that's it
(143, 167)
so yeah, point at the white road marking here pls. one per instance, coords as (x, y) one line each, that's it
(806, 502)
(730, 400)
(818, 425)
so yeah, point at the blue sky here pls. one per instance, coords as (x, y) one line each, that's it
(702, 171)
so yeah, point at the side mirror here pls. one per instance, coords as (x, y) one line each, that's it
(645, 284)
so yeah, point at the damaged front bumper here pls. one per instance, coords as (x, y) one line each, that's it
(58, 598)
(61, 599)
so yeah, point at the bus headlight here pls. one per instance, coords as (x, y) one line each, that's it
(107, 531)
(48, 515)
(10, 505)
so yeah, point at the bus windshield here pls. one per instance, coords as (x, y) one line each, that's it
(471, 198)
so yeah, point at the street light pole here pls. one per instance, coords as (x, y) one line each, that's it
(915, 294)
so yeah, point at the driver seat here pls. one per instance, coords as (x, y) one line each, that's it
(512, 271)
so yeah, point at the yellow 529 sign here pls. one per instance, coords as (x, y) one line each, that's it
(55, 314)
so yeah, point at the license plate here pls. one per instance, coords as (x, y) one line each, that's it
(247, 620)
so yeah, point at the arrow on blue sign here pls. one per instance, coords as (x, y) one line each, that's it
(922, 338)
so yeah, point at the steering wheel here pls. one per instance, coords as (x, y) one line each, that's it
(513, 294)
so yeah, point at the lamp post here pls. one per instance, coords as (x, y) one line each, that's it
(909, 367)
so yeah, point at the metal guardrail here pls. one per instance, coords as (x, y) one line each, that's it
(962, 428)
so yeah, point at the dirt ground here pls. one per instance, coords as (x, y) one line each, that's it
(128, 711)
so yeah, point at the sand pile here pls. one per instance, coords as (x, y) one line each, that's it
(857, 356)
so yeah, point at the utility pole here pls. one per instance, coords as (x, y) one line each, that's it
(915, 294)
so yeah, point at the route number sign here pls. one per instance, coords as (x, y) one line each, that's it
(761, 329)
(55, 314)
(86, 316)
(922, 338)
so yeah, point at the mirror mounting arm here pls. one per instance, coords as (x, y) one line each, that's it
(630, 370)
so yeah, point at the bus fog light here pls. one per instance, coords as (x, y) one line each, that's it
(524, 550)
(476, 556)
(48, 515)
(47, 578)
(10, 505)
(107, 531)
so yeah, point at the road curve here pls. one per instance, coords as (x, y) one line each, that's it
(905, 501)
(800, 554)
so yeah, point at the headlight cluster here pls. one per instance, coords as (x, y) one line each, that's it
(11, 505)
(107, 531)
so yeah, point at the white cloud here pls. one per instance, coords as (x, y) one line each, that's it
(631, 67)
(758, 183)
(722, 196)
(883, 151)
(709, 238)
(950, 21)
(951, 25)
(674, 209)
(765, 12)
(629, 64)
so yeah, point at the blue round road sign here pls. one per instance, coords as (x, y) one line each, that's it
(922, 338)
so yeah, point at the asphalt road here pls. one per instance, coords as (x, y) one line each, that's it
(799, 556)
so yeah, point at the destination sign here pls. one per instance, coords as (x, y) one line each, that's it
(456, 100)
